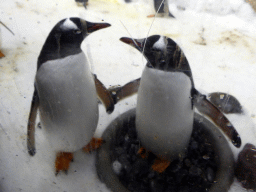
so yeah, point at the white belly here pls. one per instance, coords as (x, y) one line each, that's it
(68, 102)
(164, 114)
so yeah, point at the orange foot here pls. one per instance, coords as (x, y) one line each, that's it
(62, 162)
(95, 143)
(149, 16)
(160, 165)
(143, 152)
(1, 54)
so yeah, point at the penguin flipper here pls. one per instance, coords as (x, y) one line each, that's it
(104, 95)
(205, 107)
(31, 124)
(127, 90)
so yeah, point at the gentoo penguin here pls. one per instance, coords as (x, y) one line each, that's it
(162, 8)
(166, 99)
(66, 91)
(82, 3)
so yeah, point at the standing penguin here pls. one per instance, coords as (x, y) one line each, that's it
(166, 99)
(65, 91)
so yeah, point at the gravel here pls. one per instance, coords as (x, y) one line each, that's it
(195, 173)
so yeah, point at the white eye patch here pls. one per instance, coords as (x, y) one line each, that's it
(68, 24)
(160, 44)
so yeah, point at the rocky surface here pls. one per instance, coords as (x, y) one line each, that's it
(196, 172)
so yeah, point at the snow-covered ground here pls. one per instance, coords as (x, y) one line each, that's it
(218, 38)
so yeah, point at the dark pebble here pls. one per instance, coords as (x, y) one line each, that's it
(210, 174)
(195, 171)
(187, 162)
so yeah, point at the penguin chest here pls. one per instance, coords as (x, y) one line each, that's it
(68, 102)
(164, 114)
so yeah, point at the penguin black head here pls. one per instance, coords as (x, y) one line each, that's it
(66, 37)
(161, 52)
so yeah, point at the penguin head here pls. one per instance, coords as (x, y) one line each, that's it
(66, 37)
(161, 52)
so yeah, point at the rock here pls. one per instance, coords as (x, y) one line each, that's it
(225, 102)
(246, 167)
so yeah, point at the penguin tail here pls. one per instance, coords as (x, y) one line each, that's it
(31, 124)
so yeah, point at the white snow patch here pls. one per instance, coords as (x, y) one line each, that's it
(240, 8)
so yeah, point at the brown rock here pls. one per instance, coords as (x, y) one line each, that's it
(246, 167)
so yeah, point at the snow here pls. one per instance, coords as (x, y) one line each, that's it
(218, 38)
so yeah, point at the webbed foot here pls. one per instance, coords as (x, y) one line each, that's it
(160, 165)
(1, 54)
(62, 162)
(95, 143)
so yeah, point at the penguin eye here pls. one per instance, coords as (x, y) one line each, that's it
(77, 31)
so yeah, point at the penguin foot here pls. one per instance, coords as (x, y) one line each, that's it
(1, 54)
(95, 143)
(160, 165)
(150, 16)
(143, 153)
(160, 15)
(62, 162)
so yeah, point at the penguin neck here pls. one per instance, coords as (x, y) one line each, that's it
(184, 69)
(53, 50)
(157, 77)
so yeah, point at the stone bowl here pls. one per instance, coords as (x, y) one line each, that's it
(223, 154)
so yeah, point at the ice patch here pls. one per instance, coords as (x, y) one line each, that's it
(68, 24)
(160, 44)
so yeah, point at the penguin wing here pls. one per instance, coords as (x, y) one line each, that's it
(104, 95)
(119, 93)
(205, 107)
(31, 124)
